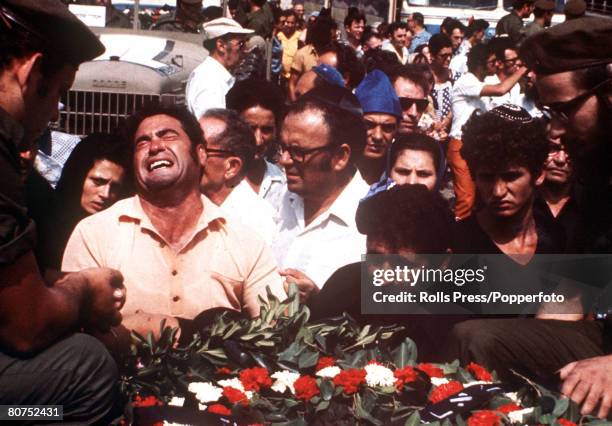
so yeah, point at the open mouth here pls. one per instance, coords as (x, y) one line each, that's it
(159, 164)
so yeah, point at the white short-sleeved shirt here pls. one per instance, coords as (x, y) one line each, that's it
(466, 99)
(512, 97)
(244, 205)
(207, 86)
(328, 242)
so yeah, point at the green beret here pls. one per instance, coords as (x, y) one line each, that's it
(575, 44)
(575, 8)
(51, 21)
(546, 5)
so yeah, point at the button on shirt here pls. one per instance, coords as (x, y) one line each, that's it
(466, 98)
(328, 242)
(207, 86)
(223, 264)
(244, 205)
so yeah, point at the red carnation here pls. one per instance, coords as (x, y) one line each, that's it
(403, 376)
(565, 422)
(484, 418)
(444, 391)
(305, 388)
(325, 361)
(431, 370)
(254, 379)
(235, 396)
(220, 409)
(149, 401)
(224, 371)
(350, 380)
(479, 372)
(508, 408)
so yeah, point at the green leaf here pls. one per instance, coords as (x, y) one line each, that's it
(327, 390)
(323, 405)
(405, 354)
(561, 406)
(362, 413)
(291, 353)
(413, 420)
(308, 359)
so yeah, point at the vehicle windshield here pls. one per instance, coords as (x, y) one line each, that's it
(460, 4)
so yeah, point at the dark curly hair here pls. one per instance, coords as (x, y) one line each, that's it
(407, 216)
(497, 143)
(248, 93)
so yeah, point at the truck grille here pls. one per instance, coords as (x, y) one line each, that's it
(88, 112)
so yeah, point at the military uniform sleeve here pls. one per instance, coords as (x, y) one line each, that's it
(17, 230)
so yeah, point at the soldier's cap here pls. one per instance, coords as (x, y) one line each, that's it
(573, 45)
(546, 5)
(52, 23)
(223, 26)
(575, 7)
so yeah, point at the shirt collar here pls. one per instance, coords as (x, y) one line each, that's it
(273, 173)
(344, 206)
(210, 215)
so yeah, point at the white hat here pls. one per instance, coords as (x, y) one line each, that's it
(223, 26)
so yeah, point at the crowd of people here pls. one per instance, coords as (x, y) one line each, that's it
(390, 140)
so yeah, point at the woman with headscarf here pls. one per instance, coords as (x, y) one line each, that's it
(93, 178)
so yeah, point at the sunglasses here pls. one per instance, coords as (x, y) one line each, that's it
(563, 110)
(407, 103)
(385, 127)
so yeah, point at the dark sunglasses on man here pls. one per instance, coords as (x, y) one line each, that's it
(421, 104)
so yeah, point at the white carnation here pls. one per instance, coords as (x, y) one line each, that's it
(517, 416)
(330, 372)
(438, 381)
(379, 375)
(513, 396)
(476, 382)
(284, 379)
(177, 401)
(232, 383)
(205, 391)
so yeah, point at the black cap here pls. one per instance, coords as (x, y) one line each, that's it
(575, 8)
(336, 96)
(52, 22)
(575, 44)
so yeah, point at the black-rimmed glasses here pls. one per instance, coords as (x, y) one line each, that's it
(298, 155)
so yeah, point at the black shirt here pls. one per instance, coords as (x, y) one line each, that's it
(17, 231)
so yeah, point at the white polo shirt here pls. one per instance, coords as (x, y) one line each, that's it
(466, 99)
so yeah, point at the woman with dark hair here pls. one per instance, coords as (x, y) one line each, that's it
(416, 159)
(93, 178)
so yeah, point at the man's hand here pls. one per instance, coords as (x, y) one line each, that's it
(589, 383)
(305, 285)
(106, 296)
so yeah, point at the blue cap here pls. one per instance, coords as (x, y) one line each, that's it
(376, 94)
(329, 74)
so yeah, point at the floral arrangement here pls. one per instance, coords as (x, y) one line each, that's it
(282, 369)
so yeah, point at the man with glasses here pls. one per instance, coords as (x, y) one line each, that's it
(230, 152)
(381, 114)
(470, 93)
(210, 81)
(321, 137)
(573, 64)
(507, 62)
(180, 254)
(412, 89)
